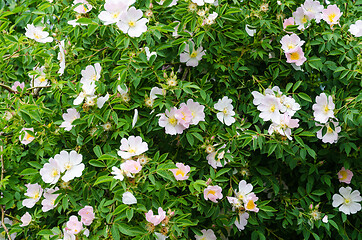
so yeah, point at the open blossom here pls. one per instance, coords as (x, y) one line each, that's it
(88, 93)
(313, 9)
(197, 111)
(183, 116)
(296, 57)
(25, 219)
(132, 23)
(244, 189)
(48, 202)
(323, 108)
(91, 73)
(128, 198)
(212, 193)
(33, 192)
(38, 80)
(87, 215)
(118, 173)
(242, 222)
(37, 34)
(269, 108)
(192, 59)
(226, 111)
(214, 158)
(16, 85)
(71, 164)
(284, 125)
(291, 106)
(169, 122)
(73, 226)
(131, 167)
(206, 235)
(181, 171)
(356, 29)
(133, 146)
(331, 135)
(331, 14)
(27, 138)
(114, 10)
(291, 43)
(345, 175)
(83, 7)
(50, 172)
(210, 19)
(202, 2)
(155, 219)
(347, 201)
(300, 18)
(69, 117)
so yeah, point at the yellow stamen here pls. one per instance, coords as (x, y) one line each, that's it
(304, 20)
(272, 108)
(180, 172)
(173, 121)
(329, 129)
(294, 56)
(326, 109)
(193, 54)
(211, 192)
(347, 200)
(55, 173)
(131, 24)
(344, 175)
(290, 46)
(331, 17)
(250, 205)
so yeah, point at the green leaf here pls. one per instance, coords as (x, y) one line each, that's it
(84, 21)
(98, 151)
(103, 179)
(97, 163)
(305, 97)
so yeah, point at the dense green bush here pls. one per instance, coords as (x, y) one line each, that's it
(183, 110)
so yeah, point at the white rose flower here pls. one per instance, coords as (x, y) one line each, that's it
(133, 146)
(347, 201)
(37, 34)
(226, 111)
(70, 163)
(132, 23)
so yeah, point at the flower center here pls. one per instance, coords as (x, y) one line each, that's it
(294, 56)
(344, 175)
(347, 201)
(172, 121)
(37, 36)
(331, 17)
(291, 46)
(329, 129)
(326, 109)
(250, 205)
(68, 166)
(131, 150)
(212, 192)
(115, 15)
(42, 79)
(36, 195)
(304, 20)
(225, 111)
(193, 54)
(84, 8)
(28, 136)
(272, 108)
(131, 24)
(55, 173)
(180, 172)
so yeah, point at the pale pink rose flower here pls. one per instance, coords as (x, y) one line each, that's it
(323, 108)
(169, 122)
(48, 202)
(183, 116)
(25, 219)
(331, 14)
(69, 117)
(345, 175)
(73, 226)
(300, 18)
(290, 43)
(212, 193)
(331, 135)
(156, 219)
(284, 125)
(50, 173)
(84, 7)
(27, 138)
(313, 9)
(206, 235)
(18, 84)
(181, 171)
(37, 34)
(131, 167)
(192, 60)
(87, 215)
(243, 221)
(34, 192)
(296, 57)
(197, 111)
(287, 22)
(133, 146)
(132, 23)
(114, 10)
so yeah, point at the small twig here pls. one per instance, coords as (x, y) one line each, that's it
(32, 88)
(7, 88)
(185, 74)
(2, 207)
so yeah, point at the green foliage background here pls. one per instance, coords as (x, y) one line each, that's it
(287, 175)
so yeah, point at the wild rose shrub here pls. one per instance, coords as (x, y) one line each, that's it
(180, 119)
